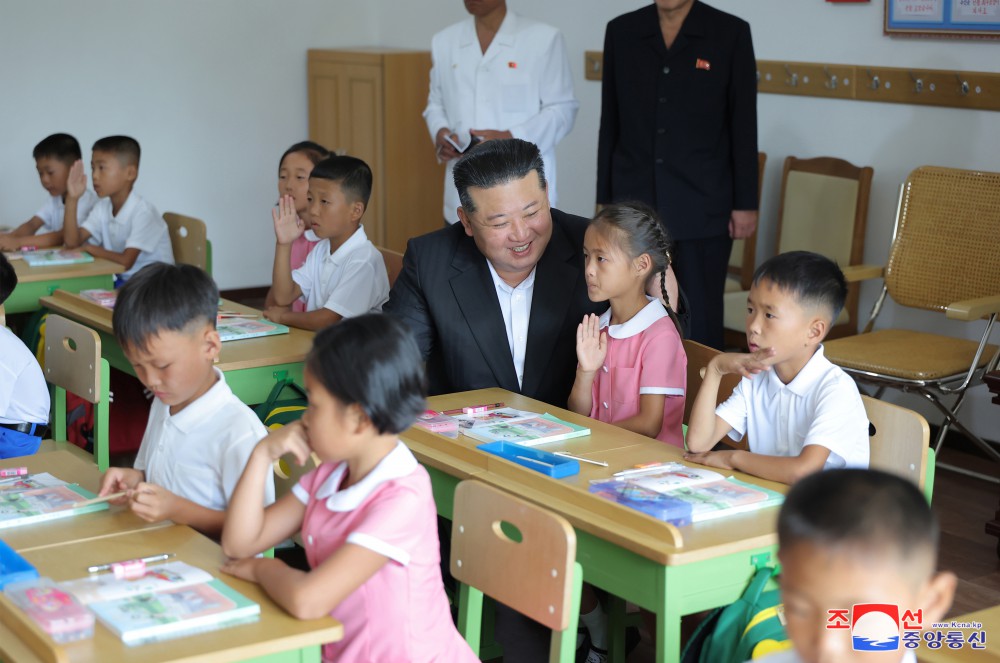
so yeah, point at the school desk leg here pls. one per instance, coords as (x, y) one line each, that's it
(668, 633)
(616, 629)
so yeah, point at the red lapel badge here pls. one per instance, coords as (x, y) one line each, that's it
(702, 64)
(512, 65)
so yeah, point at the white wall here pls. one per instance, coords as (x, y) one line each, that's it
(892, 138)
(214, 91)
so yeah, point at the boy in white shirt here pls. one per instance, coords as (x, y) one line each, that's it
(199, 435)
(344, 275)
(24, 396)
(801, 413)
(848, 539)
(122, 227)
(54, 156)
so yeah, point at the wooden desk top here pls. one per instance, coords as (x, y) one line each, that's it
(99, 267)
(570, 497)
(275, 632)
(68, 466)
(990, 619)
(235, 355)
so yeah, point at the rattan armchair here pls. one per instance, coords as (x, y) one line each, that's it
(945, 257)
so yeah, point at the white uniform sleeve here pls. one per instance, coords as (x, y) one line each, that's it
(840, 424)
(47, 214)
(304, 276)
(558, 105)
(83, 206)
(92, 224)
(435, 114)
(734, 410)
(235, 457)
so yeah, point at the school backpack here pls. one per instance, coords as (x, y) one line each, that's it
(276, 412)
(751, 627)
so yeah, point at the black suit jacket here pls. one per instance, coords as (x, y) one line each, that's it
(446, 295)
(679, 127)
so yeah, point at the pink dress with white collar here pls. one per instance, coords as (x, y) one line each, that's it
(401, 613)
(645, 356)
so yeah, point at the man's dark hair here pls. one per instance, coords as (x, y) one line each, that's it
(870, 510)
(63, 147)
(8, 278)
(811, 278)
(163, 297)
(372, 360)
(125, 148)
(354, 175)
(493, 163)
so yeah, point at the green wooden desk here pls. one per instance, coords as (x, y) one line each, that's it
(277, 636)
(33, 283)
(668, 570)
(251, 365)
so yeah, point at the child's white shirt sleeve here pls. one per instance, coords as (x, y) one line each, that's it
(734, 410)
(146, 228)
(355, 293)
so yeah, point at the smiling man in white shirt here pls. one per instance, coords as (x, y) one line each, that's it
(498, 75)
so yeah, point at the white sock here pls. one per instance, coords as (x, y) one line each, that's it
(597, 625)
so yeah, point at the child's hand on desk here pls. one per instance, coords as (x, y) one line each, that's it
(722, 460)
(275, 313)
(152, 503)
(76, 183)
(287, 224)
(244, 569)
(591, 344)
(9, 242)
(287, 440)
(745, 364)
(118, 479)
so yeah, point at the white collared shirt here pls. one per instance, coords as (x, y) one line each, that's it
(137, 226)
(522, 84)
(200, 452)
(350, 281)
(24, 396)
(820, 406)
(53, 211)
(515, 305)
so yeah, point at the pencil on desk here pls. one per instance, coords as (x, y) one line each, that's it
(98, 500)
(581, 458)
(238, 315)
(534, 460)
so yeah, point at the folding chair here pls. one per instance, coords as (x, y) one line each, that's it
(900, 443)
(393, 263)
(519, 554)
(73, 363)
(823, 208)
(943, 258)
(189, 239)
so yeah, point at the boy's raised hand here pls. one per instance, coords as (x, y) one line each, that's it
(747, 364)
(288, 227)
(591, 343)
(76, 183)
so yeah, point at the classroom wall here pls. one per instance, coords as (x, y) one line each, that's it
(891, 138)
(214, 91)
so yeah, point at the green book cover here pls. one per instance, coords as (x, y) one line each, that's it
(38, 505)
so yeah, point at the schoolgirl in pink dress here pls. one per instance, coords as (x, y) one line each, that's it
(366, 514)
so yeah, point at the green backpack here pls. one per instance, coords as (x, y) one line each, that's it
(748, 629)
(275, 413)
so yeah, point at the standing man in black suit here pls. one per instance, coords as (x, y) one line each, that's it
(679, 132)
(494, 301)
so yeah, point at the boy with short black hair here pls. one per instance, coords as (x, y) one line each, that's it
(54, 156)
(122, 227)
(24, 396)
(344, 275)
(801, 412)
(849, 537)
(199, 435)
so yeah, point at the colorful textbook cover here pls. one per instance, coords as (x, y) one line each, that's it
(538, 429)
(234, 329)
(51, 257)
(175, 611)
(39, 504)
(682, 495)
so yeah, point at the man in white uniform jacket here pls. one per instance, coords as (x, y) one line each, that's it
(498, 75)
